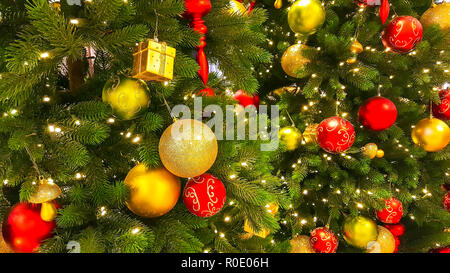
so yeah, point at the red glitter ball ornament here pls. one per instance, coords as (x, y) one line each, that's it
(335, 134)
(24, 229)
(442, 110)
(402, 34)
(204, 195)
(392, 213)
(323, 240)
(377, 113)
(446, 201)
(396, 230)
(245, 100)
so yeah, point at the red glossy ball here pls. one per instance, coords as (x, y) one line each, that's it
(24, 229)
(442, 110)
(402, 34)
(207, 92)
(446, 201)
(392, 213)
(245, 100)
(377, 113)
(335, 134)
(323, 240)
(204, 195)
(396, 230)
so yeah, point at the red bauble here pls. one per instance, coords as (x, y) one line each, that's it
(245, 100)
(207, 92)
(402, 34)
(335, 134)
(397, 243)
(396, 230)
(445, 249)
(24, 228)
(392, 213)
(377, 113)
(204, 195)
(442, 110)
(323, 240)
(446, 201)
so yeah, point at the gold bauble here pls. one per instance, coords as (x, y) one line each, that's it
(291, 137)
(301, 244)
(370, 150)
(153, 192)
(292, 59)
(127, 97)
(359, 231)
(278, 4)
(310, 133)
(351, 60)
(188, 148)
(439, 14)
(237, 7)
(356, 47)
(431, 134)
(306, 16)
(385, 242)
(380, 153)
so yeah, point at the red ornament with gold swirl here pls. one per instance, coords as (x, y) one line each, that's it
(442, 110)
(204, 195)
(392, 213)
(323, 240)
(403, 34)
(335, 134)
(446, 201)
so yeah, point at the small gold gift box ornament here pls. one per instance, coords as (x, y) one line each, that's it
(153, 61)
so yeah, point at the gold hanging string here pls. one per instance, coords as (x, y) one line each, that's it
(289, 116)
(431, 108)
(328, 222)
(379, 90)
(155, 34)
(167, 105)
(32, 161)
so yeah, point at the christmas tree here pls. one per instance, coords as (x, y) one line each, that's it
(90, 159)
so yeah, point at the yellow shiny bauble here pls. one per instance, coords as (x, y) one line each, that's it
(439, 14)
(188, 148)
(127, 97)
(356, 47)
(306, 16)
(380, 153)
(292, 59)
(237, 7)
(301, 244)
(431, 134)
(385, 242)
(278, 4)
(153, 192)
(359, 231)
(310, 133)
(370, 150)
(291, 137)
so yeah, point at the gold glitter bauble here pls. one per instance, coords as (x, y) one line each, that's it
(385, 242)
(380, 153)
(292, 59)
(127, 97)
(306, 16)
(431, 134)
(356, 47)
(291, 137)
(301, 244)
(188, 148)
(359, 231)
(439, 14)
(237, 7)
(153, 192)
(370, 150)
(310, 133)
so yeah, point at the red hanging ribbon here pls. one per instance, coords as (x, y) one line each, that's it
(384, 11)
(252, 5)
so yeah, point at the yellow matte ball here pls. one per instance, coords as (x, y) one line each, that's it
(306, 16)
(359, 231)
(153, 192)
(292, 59)
(291, 137)
(439, 14)
(301, 244)
(431, 134)
(370, 150)
(385, 242)
(188, 148)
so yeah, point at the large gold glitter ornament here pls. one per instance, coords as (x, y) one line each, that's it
(359, 231)
(306, 16)
(370, 150)
(127, 97)
(431, 134)
(310, 133)
(153, 192)
(292, 59)
(385, 242)
(188, 148)
(301, 244)
(438, 14)
(45, 194)
(237, 7)
(291, 137)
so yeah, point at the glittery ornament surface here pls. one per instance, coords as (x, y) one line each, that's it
(292, 59)
(385, 242)
(370, 150)
(439, 14)
(301, 244)
(188, 148)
